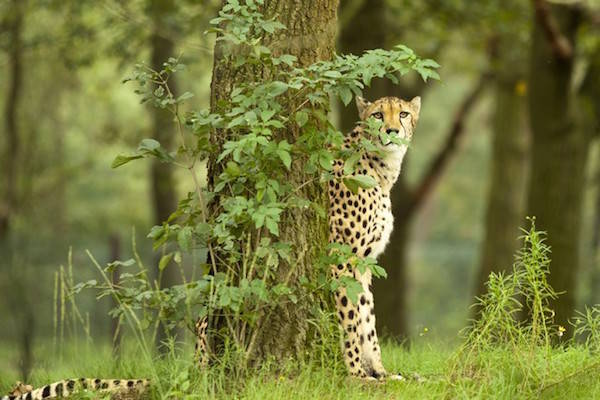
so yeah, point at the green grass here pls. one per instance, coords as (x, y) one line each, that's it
(501, 357)
(501, 373)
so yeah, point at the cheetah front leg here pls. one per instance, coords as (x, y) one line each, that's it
(371, 351)
(362, 354)
(348, 315)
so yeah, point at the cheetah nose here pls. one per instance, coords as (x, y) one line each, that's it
(391, 130)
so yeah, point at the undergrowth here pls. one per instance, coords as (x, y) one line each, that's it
(512, 350)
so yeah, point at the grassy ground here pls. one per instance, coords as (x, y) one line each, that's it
(560, 373)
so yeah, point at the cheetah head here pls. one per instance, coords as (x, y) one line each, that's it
(399, 116)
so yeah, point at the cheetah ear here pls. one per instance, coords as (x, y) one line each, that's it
(361, 105)
(416, 104)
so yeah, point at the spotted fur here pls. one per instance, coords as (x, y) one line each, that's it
(119, 389)
(364, 221)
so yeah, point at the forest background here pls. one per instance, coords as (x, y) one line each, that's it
(499, 138)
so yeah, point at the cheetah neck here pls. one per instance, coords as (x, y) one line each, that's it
(387, 169)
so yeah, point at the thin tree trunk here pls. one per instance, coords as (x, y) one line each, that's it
(559, 155)
(506, 197)
(163, 183)
(590, 102)
(311, 27)
(366, 30)
(594, 264)
(391, 293)
(15, 80)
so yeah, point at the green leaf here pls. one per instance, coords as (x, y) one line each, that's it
(185, 96)
(364, 181)
(332, 74)
(378, 271)
(353, 288)
(164, 261)
(149, 145)
(345, 95)
(351, 163)
(325, 160)
(301, 118)
(272, 226)
(121, 160)
(285, 158)
(430, 63)
(266, 115)
(184, 238)
(288, 59)
(278, 88)
(352, 185)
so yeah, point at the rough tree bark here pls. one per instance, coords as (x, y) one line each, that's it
(163, 129)
(310, 33)
(559, 154)
(508, 175)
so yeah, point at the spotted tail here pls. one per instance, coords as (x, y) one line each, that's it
(123, 387)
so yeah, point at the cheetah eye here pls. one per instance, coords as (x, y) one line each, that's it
(377, 115)
(404, 114)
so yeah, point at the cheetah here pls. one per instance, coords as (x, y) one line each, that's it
(364, 221)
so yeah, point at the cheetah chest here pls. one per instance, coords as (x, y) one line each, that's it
(382, 225)
(363, 220)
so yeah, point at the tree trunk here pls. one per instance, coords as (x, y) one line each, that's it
(590, 102)
(559, 155)
(162, 181)
(506, 198)
(310, 33)
(391, 293)
(15, 81)
(366, 30)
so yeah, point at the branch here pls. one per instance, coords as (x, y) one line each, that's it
(560, 45)
(440, 162)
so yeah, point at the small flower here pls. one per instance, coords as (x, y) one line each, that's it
(561, 331)
(521, 88)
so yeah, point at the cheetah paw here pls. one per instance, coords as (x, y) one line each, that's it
(396, 377)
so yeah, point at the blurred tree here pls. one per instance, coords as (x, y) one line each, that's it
(310, 36)
(163, 129)
(559, 150)
(506, 198)
(19, 304)
(14, 27)
(589, 105)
